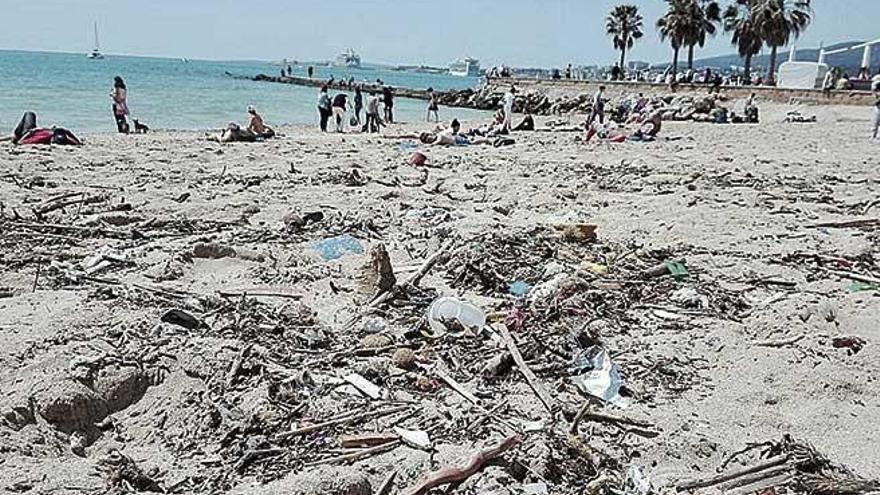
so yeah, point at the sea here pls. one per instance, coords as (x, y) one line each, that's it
(72, 91)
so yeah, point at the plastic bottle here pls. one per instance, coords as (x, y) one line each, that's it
(450, 308)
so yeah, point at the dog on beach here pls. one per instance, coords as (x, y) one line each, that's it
(140, 128)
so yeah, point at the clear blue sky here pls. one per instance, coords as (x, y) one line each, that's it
(516, 32)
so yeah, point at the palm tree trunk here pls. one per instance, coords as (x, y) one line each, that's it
(748, 70)
(675, 64)
(622, 59)
(690, 57)
(771, 70)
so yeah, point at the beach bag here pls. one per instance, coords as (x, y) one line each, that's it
(37, 136)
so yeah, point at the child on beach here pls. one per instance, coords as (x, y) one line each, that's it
(120, 105)
(323, 107)
(433, 108)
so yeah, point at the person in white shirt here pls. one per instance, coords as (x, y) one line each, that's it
(509, 98)
(373, 122)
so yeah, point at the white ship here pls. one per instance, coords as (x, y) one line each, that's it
(348, 58)
(466, 67)
(96, 52)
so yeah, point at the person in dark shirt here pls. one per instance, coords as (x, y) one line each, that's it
(358, 103)
(388, 100)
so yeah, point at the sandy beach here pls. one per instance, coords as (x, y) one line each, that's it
(765, 336)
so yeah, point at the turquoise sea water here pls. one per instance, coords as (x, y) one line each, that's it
(72, 91)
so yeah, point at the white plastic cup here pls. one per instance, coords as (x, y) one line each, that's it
(450, 308)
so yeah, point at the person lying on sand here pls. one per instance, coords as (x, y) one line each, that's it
(27, 132)
(234, 133)
(257, 126)
(646, 131)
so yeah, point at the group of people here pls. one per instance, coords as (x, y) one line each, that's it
(337, 107)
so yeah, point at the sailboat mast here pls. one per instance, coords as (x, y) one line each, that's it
(97, 45)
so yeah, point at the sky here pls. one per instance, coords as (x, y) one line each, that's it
(536, 33)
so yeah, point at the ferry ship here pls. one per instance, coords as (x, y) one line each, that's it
(467, 67)
(348, 58)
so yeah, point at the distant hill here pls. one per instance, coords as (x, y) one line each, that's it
(849, 61)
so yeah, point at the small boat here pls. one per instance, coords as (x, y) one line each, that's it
(348, 58)
(466, 67)
(96, 52)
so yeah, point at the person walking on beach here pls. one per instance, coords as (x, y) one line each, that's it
(340, 104)
(388, 99)
(373, 122)
(358, 103)
(433, 107)
(119, 95)
(311, 71)
(324, 107)
(509, 98)
(598, 107)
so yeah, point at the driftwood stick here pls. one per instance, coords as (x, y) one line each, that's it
(530, 377)
(341, 421)
(57, 205)
(252, 455)
(738, 473)
(780, 342)
(856, 276)
(385, 487)
(865, 222)
(258, 292)
(455, 475)
(354, 456)
(585, 414)
(457, 387)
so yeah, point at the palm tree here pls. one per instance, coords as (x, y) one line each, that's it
(624, 25)
(704, 16)
(778, 21)
(739, 20)
(675, 25)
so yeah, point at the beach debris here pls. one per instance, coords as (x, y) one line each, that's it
(418, 159)
(675, 268)
(364, 386)
(366, 440)
(416, 439)
(219, 251)
(404, 358)
(519, 288)
(446, 311)
(120, 472)
(578, 232)
(789, 464)
(103, 258)
(850, 342)
(450, 474)
(333, 248)
(595, 374)
(294, 221)
(530, 377)
(378, 274)
(183, 319)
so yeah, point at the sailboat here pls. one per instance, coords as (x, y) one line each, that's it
(96, 52)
